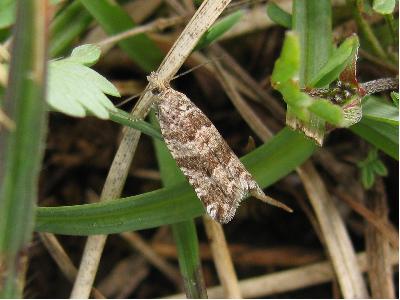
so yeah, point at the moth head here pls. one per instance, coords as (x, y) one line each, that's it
(156, 84)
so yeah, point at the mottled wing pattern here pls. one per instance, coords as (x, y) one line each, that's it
(219, 178)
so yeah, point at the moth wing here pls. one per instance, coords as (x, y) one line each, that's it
(217, 175)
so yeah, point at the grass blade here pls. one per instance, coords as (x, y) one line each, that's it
(113, 19)
(22, 148)
(67, 26)
(268, 163)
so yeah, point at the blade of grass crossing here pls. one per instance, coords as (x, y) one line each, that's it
(185, 234)
(268, 163)
(22, 148)
(113, 19)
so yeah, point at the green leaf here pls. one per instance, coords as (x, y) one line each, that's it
(86, 55)
(7, 13)
(292, 94)
(384, 7)
(379, 168)
(338, 61)
(278, 15)
(382, 135)
(378, 109)
(312, 21)
(66, 27)
(218, 29)
(22, 148)
(75, 89)
(126, 119)
(328, 111)
(113, 19)
(268, 163)
(287, 65)
(367, 177)
(395, 98)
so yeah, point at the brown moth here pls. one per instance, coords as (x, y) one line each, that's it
(218, 177)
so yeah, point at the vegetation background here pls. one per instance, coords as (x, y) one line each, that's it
(342, 239)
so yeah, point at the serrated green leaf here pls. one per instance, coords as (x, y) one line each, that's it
(378, 109)
(328, 111)
(288, 64)
(278, 15)
(384, 7)
(7, 13)
(75, 89)
(336, 63)
(218, 29)
(86, 55)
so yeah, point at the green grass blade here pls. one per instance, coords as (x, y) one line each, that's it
(67, 26)
(21, 149)
(218, 29)
(113, 19)
(185, 234)
(278, 15)
(268, 163)
(376, 108)
(382, 135)
(313, 22)
(126, 119)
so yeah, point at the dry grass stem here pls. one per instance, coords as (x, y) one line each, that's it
(335, 235)
(136, 241)
(380, 224)
(290, 280)
(222, 258)
(378, 249)
(125, 277)
(62, 259)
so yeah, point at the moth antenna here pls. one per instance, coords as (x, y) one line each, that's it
(261, 196)
(197, 67)
(129, 99)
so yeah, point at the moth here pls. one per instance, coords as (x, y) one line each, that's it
(218, 177)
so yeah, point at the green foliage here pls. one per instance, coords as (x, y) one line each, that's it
(278, 15)
(383, 136)
(337, 62)
(75, 89)
(113, 19)
(288, 64)
(371, 167)
(384, 7)
(301, 105)
(21, 149)
(66, 27)
(378, 109)
(395, 98)
(7, 13)
(218, 29)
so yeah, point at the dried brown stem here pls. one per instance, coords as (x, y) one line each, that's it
(290, 280)
(222, 258)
